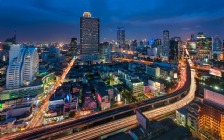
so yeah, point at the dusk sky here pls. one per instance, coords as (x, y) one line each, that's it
(58, 20)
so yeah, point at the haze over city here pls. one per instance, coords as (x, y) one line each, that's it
(57, 20)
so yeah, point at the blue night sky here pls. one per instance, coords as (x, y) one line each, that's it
(58, 20)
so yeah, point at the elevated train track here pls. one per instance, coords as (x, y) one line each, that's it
(50, 130)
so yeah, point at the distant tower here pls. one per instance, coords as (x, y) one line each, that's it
(89, 38)
(173, 51)
(73, 46)
(192, 37)
(121, 36)
(14, 38)
(165, 42)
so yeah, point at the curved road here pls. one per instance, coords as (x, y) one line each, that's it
(125, 122)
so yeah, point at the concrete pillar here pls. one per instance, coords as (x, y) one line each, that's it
(152, 105)
(168, 101)
(179, 97)
(113, 117)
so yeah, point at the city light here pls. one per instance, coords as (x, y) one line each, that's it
(216, 87)
(110, 72)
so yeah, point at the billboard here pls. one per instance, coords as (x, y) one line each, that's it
(175, 76)
(215, 72)
(142, 120)
(214, 97)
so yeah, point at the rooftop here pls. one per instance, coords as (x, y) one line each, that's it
(120, 136)
(139, 131)
(183, 111)
(135, 81)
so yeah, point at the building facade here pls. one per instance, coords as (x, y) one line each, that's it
(89, 38)
(14, 51)
(22, 70)
(166, 37)
(211, 117)
(121, 36)
(173, 51)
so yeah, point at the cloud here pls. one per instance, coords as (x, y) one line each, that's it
(143, 17)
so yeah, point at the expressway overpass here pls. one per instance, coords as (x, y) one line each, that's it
(104, 129)
(153, 104)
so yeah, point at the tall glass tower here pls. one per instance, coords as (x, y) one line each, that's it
(121, 36)
(165, 42)
(89, 37)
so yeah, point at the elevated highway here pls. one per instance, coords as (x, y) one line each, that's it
(151, 106)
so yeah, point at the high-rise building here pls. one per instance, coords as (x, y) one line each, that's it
(211, 116)
(223, 44)
(192, 37)
(173, 51)
(105, 52)
(121, 36)
(204, 46)
(22, 69)
(165, 43)
(74, 46)
(217, 48)
(14, 51)
(89, 38)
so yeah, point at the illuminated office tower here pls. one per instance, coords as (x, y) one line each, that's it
(211, 116)
(30, 66)
(22, 69)
(89, 38)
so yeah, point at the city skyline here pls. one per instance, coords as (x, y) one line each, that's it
(46, 21)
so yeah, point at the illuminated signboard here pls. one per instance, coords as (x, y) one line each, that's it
(0, 105)
(175, 75)
(215, 72)
(141, 119)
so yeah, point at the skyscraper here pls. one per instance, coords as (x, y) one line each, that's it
(22, 69)
(165, 42)
(14, 51)
(121, 36)
(89, 38)
(73, 46)
(173, 51)
(211, 116)
(204, 46)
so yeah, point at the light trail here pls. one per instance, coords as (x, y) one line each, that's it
(119, 124)
(37, 119)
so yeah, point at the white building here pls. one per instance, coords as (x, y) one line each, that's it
(152, 52)
(30, 66)
(23, 69)
(14, 51)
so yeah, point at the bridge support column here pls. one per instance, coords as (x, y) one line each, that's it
(153, 106)
(113, 117)
(168, 101)
(179, 97)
